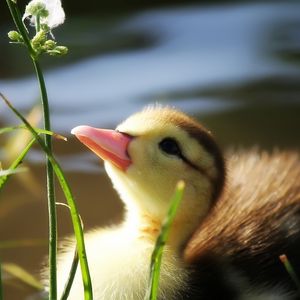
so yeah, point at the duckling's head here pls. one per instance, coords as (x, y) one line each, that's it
(150, 152)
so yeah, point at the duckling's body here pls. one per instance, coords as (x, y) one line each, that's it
(237, 232)
(119, 264)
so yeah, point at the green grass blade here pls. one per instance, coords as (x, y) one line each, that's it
(52, 219)
(289, 268)
(71, 202)
(74, 265)
(38, 130)
(71, 277)
(16, 162)
(5, 173)
(22, 275)
(156, 257)
(8, 129)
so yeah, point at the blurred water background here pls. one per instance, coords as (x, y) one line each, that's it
(233, 65)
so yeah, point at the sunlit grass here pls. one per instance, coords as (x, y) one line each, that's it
(38, 130)
(21, 36)
(77, 226)
(290, 270)
(152, 291)
(22, 275)
(74, 265)
(43, 42)
(14, 151)
(72, 273)
(12, 169)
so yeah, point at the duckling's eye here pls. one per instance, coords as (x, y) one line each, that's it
(170, 146)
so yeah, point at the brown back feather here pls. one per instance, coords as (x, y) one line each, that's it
(259, 207)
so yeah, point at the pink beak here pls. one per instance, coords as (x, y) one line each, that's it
(108, 144)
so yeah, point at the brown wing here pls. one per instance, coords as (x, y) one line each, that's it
(259, 212)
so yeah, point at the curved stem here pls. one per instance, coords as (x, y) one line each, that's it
(71, 277)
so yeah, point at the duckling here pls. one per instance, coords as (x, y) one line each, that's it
(236, 217)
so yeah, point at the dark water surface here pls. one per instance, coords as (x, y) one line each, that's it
(236, 67)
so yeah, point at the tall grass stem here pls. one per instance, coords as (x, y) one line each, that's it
(51, 167)
(50, 186)
(76, 221)
(152, 292)
(52, 219)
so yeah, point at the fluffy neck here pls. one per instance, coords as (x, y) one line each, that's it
(143, 219)
(147, 227)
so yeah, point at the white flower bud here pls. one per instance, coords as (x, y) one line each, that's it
(50, 12)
